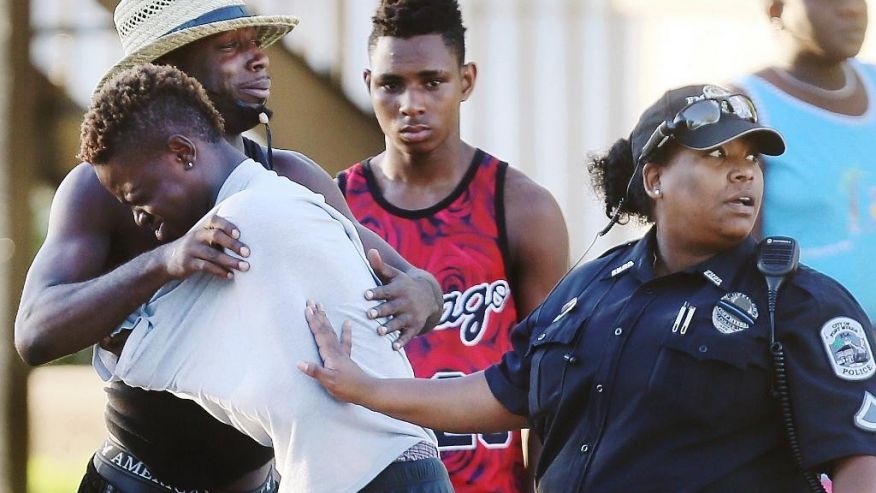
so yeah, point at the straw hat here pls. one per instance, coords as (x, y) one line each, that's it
(150, 29)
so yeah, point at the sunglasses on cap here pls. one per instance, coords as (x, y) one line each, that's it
(698, 114)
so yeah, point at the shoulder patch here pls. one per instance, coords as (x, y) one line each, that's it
(865, 418)
(848, 349)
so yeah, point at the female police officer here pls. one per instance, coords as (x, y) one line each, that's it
(649, 369)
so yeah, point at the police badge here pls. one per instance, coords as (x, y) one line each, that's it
(734, 312)
(848, 349)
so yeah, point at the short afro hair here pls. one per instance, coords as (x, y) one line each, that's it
(141, 107)
(409, 18)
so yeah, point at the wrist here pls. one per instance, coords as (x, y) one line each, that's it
(157, 264)
(437, 295)
(369, 393)
(421, 275)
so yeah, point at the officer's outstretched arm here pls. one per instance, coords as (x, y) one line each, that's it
(457, 405)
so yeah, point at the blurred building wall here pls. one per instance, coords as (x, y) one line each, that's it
(559, 79)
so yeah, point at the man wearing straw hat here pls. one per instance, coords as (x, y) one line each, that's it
(97, 265)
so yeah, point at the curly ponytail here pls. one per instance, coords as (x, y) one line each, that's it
(611, 173)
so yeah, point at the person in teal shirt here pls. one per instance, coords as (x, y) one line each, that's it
(822, 191)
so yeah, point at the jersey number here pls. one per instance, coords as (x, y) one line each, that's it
(455, 441)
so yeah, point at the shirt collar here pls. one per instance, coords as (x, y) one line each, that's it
(719, 270)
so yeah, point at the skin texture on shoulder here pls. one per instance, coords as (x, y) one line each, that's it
(537, 239)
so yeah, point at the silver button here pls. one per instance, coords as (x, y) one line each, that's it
(618, 331)
(599, 388)
(585, 448)
(541, 337)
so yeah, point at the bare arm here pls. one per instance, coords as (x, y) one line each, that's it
(459, 405)
(537, 239)
(539, 246)
(855, 474)
(71, 299)
(412, 296)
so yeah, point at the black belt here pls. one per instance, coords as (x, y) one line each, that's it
(129, 474)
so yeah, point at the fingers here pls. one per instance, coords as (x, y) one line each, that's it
(400, 323)
(200, 265)
(221, 224)
(390, 308)
(204, 250)
(219, 233)
(218, 258)
(323, 332)
(219, 239)
(384, 271)
(347, 338)
(406, 336)
(312, 370)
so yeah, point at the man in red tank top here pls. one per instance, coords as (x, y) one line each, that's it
(494, 239)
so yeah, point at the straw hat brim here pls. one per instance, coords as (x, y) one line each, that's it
(270, 30)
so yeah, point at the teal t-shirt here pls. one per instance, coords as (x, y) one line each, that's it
(822, 190)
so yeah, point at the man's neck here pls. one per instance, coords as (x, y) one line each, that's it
(420, 181)
(236, 141)
(226, 159)
(447, 164)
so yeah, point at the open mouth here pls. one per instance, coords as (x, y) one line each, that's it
(744, 200)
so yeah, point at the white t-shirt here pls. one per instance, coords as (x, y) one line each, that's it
(232, 345)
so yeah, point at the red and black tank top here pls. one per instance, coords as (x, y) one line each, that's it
(461, 240)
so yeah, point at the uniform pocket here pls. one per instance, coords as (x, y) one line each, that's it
(710, 377)
(551, 353)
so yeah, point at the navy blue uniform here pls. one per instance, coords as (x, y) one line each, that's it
(653, 385)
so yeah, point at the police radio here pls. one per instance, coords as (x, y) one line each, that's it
(777, 260)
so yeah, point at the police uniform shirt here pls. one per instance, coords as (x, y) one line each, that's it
(637, 383)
